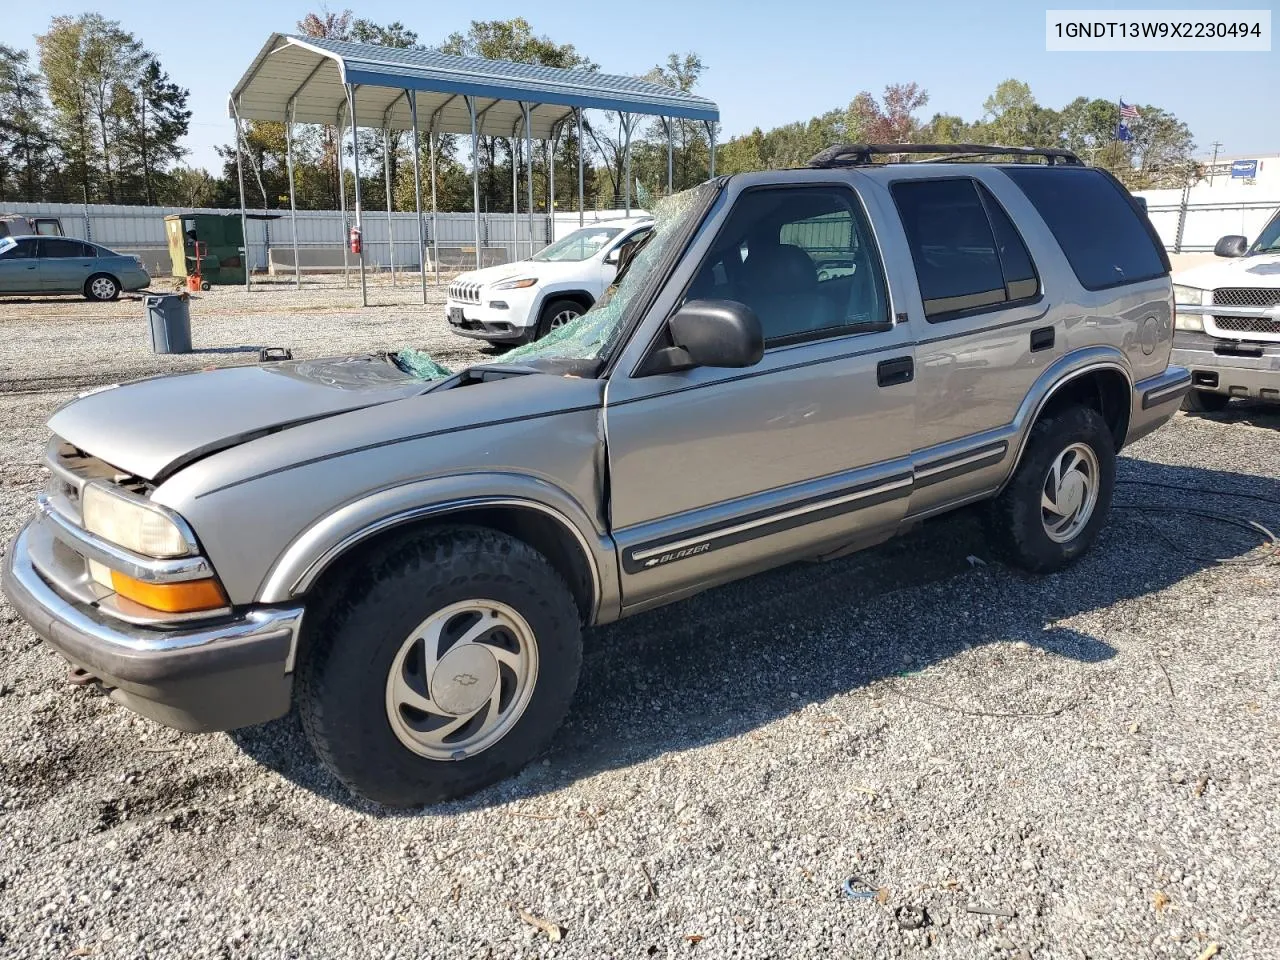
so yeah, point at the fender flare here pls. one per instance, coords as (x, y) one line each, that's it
(1066, 369)
(332, 535)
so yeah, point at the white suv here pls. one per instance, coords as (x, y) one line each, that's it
(518, 302)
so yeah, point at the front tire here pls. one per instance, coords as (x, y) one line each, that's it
(102, 288)
(1202, 401)
(556, 314)
(1050, 513)
(443, 665)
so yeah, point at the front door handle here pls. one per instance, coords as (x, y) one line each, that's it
(1042, 339)
(892, 372)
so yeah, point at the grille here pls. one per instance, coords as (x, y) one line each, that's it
(464, 292)
(1247, 297)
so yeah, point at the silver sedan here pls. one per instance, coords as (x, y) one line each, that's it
(56, 265)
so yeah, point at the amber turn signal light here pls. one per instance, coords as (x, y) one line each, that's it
(188, 596)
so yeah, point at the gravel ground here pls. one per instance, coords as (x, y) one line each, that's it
(1080, 765)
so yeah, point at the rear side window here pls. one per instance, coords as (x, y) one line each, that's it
(56, 247)
(1103, 237)
(968, 255)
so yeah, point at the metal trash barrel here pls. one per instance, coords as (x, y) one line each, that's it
(170, 321)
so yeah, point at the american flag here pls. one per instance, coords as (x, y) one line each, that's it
(1129, 112)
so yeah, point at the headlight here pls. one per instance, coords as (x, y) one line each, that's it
(131, 524)
(1189, 295)
(1188, 321)
(519, 284)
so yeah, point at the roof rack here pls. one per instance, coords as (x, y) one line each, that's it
(861, 154)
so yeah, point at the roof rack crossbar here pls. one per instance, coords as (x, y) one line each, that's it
(861, 154)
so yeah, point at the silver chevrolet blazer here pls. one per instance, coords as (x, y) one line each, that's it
(410, 553)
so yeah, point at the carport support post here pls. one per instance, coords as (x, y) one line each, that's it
(435, 229)
(475, 174)
(417, 191)
(293, 203)
(244, 219)
(551, 186)
(711, 135)
(626, 158)
(342, 196)
(581, 212)
(391, 227)
(355, 164)
(666, 125)
(515, 198)
(528, 149)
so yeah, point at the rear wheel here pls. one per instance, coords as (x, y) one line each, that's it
(556, 314)
(1202, 401)
(1051, 511)
(441, 667)
(102, 287)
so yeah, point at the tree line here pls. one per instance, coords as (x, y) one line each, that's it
(97, 119)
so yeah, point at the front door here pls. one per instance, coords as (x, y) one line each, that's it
(65, 265)
(19, 268)
(715, 473)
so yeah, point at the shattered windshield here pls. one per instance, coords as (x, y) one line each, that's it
(591, 334)
(577, 246)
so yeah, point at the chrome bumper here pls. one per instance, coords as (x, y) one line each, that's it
(1233, 367)
(224, 674)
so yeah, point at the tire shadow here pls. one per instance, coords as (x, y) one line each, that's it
(742, 655)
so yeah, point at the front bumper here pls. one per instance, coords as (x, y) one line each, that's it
(482, 322)
(219, 676)
(1237, 368)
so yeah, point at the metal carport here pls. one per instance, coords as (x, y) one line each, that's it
(307, 80)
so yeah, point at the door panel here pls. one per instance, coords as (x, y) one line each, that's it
(716, 473)
(980, 303)
(19, 269)
(64, 266)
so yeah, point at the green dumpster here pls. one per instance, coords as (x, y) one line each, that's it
(221, 246)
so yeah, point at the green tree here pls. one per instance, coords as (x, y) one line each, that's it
(157, 121)
(24, 138)
(1012, 118)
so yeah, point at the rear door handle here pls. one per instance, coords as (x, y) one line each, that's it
(1042, 339)
(892, 372)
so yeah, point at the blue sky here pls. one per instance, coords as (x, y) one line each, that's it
(768, 62)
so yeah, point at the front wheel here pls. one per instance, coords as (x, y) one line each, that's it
(1050, 513)
(557, 314)
(1202, 401)
(444, 665)
(102, 288)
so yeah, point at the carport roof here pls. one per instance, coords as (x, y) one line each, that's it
(310, 73)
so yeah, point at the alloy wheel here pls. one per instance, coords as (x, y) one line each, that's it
(462, 679)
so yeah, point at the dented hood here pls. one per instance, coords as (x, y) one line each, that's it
(153, 427)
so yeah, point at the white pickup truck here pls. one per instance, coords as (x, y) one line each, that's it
(1228, 322)
(517, 303)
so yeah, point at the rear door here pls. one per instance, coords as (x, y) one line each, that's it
(715, 473)
(19, 267)
(984, 330)
(65, 264)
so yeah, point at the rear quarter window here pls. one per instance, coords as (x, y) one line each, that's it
(1095, 223)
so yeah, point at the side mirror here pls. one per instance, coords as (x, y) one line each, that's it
(718, 333)
(1231, 246)
(613, 256)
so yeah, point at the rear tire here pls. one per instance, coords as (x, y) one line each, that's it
(1202, 401)
(402, 653)
(556, 314)
(1050, 513)
(102, 287)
